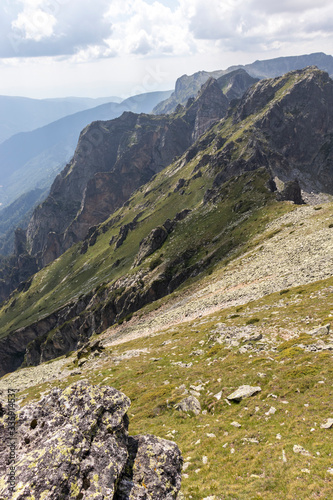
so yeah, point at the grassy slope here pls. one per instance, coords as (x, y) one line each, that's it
(245, 462)
(242, 463)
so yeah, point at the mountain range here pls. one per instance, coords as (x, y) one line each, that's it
(30, 161)
(262, 140)
(185, 259)
(188, 86)
(22, 114)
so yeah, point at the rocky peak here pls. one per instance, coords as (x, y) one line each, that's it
(293, 126)
(209, 106)
(235, 84)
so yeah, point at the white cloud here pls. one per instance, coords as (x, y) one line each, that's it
(104, 38)
(35, 24)
(149, 29)
(257, 24)
(86, 30)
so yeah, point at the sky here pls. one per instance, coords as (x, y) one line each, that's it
(98, 48)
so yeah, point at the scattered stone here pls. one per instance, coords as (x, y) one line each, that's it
(255, 338)
(244, 391)
(205, 460)
(182, 365)
(189, 404)
(301, 450)
(236, 424)
(197, 388)
(307, 471)
(195, 393)
(330, 470)
(328, 424)
(271, 411)
(321, 330)
(183, 389)
(284, 458)
(250, 440)
(197, 352)
(210, 435)
(278, 436)
(218, 395)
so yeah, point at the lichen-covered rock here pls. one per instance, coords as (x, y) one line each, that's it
(74, 443)
(153, 469)
(188, 404)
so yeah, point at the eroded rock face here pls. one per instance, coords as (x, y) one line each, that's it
(74, 443)
(111, 161)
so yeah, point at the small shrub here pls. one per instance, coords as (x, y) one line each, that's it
(155, 263)
(252, 321)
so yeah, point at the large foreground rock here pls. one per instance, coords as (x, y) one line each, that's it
(74, 443)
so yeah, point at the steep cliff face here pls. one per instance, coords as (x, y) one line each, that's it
(113, 159)
(293, 127)
(210, 105)
(235, 83)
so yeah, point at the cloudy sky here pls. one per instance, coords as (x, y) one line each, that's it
(54, 48)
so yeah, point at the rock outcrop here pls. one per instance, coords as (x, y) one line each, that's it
(291, 192)
(74, 443)
(235, 83)
(111, 161)
(288, 133)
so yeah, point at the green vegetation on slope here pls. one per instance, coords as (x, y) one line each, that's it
(207, 235)
(256, 458)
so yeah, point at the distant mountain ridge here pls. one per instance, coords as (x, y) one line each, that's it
(32, 160)
(187, 86)
(23, 114)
